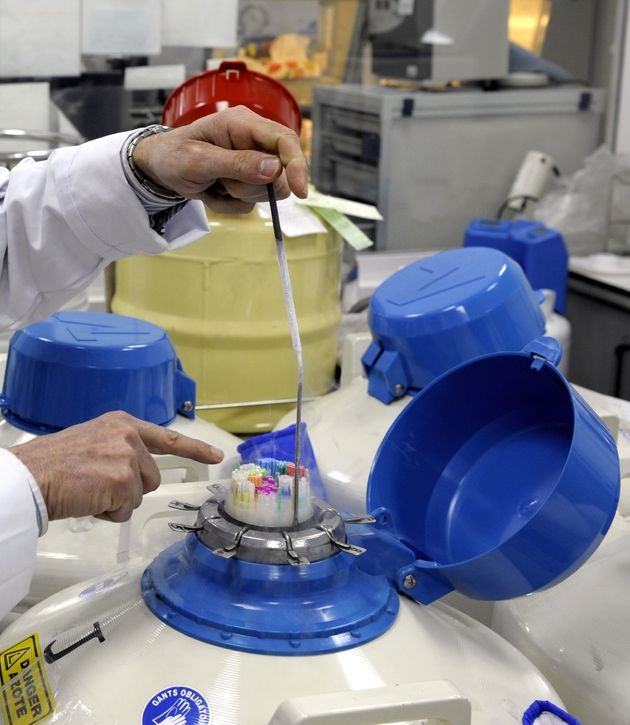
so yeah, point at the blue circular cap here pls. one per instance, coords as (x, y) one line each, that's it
(442, 310)
(327, 606)
(75, 366)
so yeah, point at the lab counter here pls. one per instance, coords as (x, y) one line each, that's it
(598, 308)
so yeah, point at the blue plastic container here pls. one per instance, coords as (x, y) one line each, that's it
(75, 366)
(443, 310)
(539, 250)
(498, 477)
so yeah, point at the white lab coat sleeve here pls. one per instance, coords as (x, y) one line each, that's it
(65, 219)
(19, 529)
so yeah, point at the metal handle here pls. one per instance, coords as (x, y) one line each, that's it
(438, 700)
(14, 157)
(55, 138)
(255, 403)
(342, 545)
(66, 139)
(136, 539)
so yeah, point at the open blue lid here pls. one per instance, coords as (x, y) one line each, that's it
(497, 476)
(75, 366)
(442, 310)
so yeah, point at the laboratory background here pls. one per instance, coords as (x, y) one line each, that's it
(419, 375)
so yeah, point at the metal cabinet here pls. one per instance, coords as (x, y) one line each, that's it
(434, 161)
(599, 313)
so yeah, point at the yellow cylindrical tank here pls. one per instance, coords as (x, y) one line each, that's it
(221, 302)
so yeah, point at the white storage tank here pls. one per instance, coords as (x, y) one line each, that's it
(247, 624)
(73, 367)
(578, 633)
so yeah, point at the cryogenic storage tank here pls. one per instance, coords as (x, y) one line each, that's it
(426, 318)
(219, 298)
(143, 669)
(578, 633)
(73, 367)
(242, 623)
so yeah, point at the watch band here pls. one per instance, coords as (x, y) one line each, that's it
(157, 193)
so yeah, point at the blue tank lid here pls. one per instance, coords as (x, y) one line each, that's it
(443, 310)
(75, 366)
(327, 606)
(498, 476)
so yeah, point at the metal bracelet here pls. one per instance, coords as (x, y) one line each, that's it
(159, 191)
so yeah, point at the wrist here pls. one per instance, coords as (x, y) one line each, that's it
(135, 156)
(37, 491)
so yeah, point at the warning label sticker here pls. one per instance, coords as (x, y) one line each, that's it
(26, 696)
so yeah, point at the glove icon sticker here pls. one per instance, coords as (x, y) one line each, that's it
(177, 706)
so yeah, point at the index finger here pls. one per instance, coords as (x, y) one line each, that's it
(295, 165)
(160, 440)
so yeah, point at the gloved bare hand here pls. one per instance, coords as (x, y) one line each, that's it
(225, 159)
(103, 467)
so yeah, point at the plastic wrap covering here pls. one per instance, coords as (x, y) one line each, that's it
(589, 208)
(140, 667)
(578, 633)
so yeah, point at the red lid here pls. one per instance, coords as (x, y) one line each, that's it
(231, 85)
